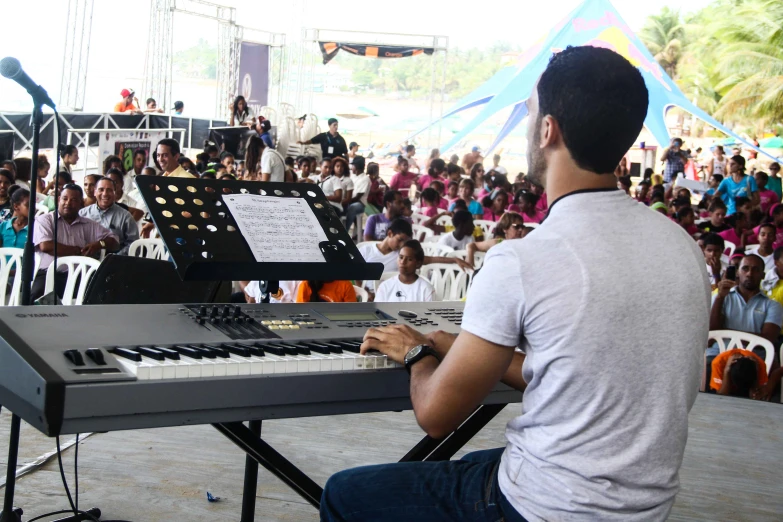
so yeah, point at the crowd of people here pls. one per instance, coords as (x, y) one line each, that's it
(738, 222)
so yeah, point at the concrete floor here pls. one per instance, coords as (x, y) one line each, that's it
(731, 469)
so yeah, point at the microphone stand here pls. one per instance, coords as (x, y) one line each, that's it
(9, 514)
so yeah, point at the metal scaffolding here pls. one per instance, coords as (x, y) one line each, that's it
(76, 53)
(158, 60)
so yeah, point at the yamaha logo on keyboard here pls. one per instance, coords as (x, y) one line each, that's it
(23, 316)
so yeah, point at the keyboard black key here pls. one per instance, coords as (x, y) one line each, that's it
(301, 348)
(152, 353)
(237, 350)
(187, 351)
(216, 349)
(168, 353)
(275, 349)
(127, 353)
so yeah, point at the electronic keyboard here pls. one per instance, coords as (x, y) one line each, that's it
(104, 368)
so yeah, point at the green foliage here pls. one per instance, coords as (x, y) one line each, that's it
(730, 58)
(199, 61)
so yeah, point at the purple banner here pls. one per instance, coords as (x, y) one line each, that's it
(253, 81)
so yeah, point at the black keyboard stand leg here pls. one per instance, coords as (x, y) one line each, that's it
(445, 448)
(274, 462)
(9, 514)
(251, 479)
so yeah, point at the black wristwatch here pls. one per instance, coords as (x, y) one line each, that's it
(418, 353)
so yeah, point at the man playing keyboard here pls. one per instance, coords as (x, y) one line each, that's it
(604, 418)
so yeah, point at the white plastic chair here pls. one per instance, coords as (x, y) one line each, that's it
(430, 239)
(436, 250)
(360, 244)
(79, 267)
(450, 281)
(11, 259)
(486, 226)
(362, 295)
(443, 221)
(743, 341)
(41, 209)
(478, 258)
(418, 219)
(384, 277)
(152, 248)
(422, 233)
(730, 248)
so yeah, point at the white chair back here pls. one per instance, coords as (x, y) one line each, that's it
(443, 221)
(731, 339)
(730, 248)
(418, 219)
(11, 261)
(41, 209)
(80, 269)
(436, 250)
(362, 295)
(486, 226)
(478, 258)
(450, 281)
(422, 233)
(384, 277)
(153, 248)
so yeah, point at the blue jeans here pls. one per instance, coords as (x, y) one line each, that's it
(449, 491)
(351, 212)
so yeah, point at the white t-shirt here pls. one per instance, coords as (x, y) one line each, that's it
(453, 242)
(329, 186)
(273, 163)
(499, 170)
(769, 261)
(604, 419)
(347, 184)
(253, 289)
(395, 291)
(361, 185)
(240, 118)
(371, 254)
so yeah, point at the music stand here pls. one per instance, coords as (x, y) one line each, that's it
(206, 244)
(231, 139)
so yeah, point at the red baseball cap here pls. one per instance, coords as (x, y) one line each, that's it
(125, 93)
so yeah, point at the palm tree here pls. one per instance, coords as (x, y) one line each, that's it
(664, 35)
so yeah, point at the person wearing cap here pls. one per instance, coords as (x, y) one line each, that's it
(178, 108)
(471, 158)
(332, 144)
(126, 105)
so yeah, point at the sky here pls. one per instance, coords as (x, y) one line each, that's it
(120, 31)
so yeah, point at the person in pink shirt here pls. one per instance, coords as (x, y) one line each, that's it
(435, 173)
(452, 193)
(767, 197)
(542, 203)
(686, 219)
(526, 203)
(429, 202)
(403, 180)
(498, 201)
(439, 188)
(740, 233)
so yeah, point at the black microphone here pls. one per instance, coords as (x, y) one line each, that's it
(12, 69)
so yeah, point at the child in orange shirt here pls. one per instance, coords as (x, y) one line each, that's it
(325, 291)
(741, 373)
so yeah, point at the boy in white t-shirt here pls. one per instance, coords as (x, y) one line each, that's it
(407, 287)
(463, 231)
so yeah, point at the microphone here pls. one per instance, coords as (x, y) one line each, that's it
(12, 69)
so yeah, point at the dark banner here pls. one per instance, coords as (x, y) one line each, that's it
(330, 50)
(253, 79)
(6, 145)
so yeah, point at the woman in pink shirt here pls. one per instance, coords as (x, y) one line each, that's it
(542, 201)
(526, 202)
(402, 180)
(435, 173)
(498, 201)
(686, 219)
(767, 197)
(429, 202)
(439, 188)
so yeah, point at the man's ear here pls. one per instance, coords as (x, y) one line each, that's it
(550, 132)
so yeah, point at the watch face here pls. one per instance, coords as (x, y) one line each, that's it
(413, 353)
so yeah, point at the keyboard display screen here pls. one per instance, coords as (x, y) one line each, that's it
(356, 316)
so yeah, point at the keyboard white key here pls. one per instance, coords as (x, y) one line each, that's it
(140, 369)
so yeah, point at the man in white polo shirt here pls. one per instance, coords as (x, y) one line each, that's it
(604, 418)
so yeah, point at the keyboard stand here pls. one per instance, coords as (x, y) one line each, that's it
(259, 452)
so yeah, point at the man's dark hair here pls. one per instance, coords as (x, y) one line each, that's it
(151, 100)
(681, 202)
(460, 205)
(359, 163)
(410, 148)
(763, 175)
(452, 168)
(599, 101)
(768, 225)
(744, 376)
(107, 178)
(9, 175)
(429, 194)
(625, 181)
(65, 176)
(94, 177)
(171, 143)
(777, 254)
(741, 200)
(115, 171)
(75, 187)
(390, 196)
(401, 160)
(460, 218)
(418, 251)
(68, 150)
(178, 105)
(756, 257)
(9, 163)
(717, 204)
(139, 152)
(209, 149)
(352, 145)
(400, 226)
(714, 240)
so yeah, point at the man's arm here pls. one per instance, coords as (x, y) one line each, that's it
(716, 313)
(337, 196)
(449, 260)
(47, 247)
(265, 176)
(444, 394)
(770, 332)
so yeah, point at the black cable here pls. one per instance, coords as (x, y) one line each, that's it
(56, 186)
(65, 482)
(76, 471)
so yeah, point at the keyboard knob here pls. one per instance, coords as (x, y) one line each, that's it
(75, 357)
(214, 311)
(237, 312)
(96, 355)
(200, 320)
(226, 310)
(239, 320)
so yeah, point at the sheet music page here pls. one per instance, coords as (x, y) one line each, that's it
(278, 229)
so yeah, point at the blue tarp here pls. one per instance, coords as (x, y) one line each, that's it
(596, 23)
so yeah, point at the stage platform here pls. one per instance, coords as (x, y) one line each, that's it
(731, 472)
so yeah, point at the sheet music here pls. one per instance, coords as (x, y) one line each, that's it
(278, 229)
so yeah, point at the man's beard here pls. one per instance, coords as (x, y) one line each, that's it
(536, 162)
